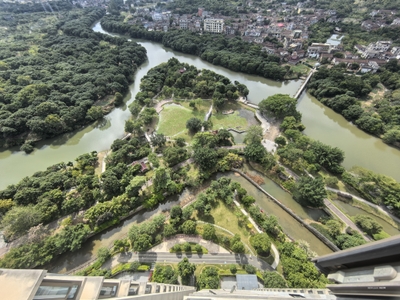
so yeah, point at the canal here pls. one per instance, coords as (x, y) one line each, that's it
(322, 124)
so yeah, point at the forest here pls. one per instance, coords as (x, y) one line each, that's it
(234, 54)
(345, 93)
(52, 79)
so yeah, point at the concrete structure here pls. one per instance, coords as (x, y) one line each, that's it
(369, 270)
(40, 285)
(214, 25)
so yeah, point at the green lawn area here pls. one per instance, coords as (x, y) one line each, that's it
(225, 217)
(300, 68)
(220, 120)
(172, 120)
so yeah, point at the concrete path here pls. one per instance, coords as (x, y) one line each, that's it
(273, 247)
(216, 258)
(366, 202)
(180, 239)
(344, 218)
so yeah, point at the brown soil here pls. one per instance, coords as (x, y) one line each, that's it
(258, 179)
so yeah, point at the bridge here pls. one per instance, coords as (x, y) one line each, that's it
(304, 84)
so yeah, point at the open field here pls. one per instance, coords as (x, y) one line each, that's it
(173, 118)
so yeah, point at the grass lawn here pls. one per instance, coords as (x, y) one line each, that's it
(229, 121)
(173, 118)
(225, 217)
(301, 68)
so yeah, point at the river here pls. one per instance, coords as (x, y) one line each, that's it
(322, 124)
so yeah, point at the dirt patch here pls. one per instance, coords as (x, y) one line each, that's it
(257, 179)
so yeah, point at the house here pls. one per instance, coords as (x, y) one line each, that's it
(214, 25)
(315, 50)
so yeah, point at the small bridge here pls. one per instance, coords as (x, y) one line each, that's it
(304, 84)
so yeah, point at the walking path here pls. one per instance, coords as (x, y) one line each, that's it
(182, 238)
(344, 218)
(215, 258)
(366, 202)
(273, 247)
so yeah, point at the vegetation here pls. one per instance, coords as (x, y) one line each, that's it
(344, 94)
(50, 82)
(310, 191)
(186, 270)
(332, 229)
(261, 243)
(274, 280)
(236, 54)
(378, 189)
(208, 279)
(165, 274)
(298, 270)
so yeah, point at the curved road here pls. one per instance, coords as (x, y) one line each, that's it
(344, 218)
(366, 202)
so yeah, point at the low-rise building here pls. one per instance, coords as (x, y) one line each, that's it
(214, 25)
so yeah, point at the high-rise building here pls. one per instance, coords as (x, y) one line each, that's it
(370, 271)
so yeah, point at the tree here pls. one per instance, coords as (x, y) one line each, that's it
(142, 242)
(19, 219)
(186, 270)
(193, 125)
(174, 155)
(161, 179)
(119, 99)
(367, 224)
(165, 274)
(254, 135)
(206, 158)
(103, 254)
(261, 244)
(208, 232)
(198, 248)
(250, 269)
(189, 227)
(158, 140)
(238, 247)
(176, 212)
(310, 191)
(280, 105)
(233, 269)
(169, 230)
(274, 280)
(132, 190)
(208, 279)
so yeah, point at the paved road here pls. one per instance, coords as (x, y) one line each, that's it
(218, 258)
(367, 202)
(344, 218)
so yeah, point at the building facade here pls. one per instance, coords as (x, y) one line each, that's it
(214, 25)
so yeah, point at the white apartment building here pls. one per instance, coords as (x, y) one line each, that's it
(214, 25)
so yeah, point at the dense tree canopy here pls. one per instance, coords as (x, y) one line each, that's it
(234, 54)
(52, 84)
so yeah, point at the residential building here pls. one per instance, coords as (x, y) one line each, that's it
(214, 25)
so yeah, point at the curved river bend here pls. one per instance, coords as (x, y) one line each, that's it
(322, 124)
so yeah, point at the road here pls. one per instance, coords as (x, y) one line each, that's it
(344, 218)
(366, 202)
(217, 258)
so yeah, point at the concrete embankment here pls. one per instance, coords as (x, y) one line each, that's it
(290, 212)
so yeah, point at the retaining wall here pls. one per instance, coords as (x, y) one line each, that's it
(327, 242)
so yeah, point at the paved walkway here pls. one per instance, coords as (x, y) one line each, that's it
(344, 218)
(215, 258)
(168, 244)
(273, 247)
(366, 202)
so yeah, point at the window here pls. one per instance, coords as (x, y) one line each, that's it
(56, 291)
